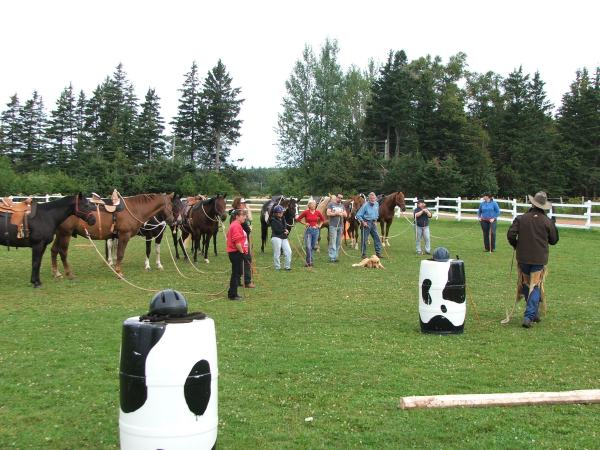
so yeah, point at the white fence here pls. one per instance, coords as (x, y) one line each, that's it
(464, 209)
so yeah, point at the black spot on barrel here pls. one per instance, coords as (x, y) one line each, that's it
(444, 309)
(425, 291)
(197, 387)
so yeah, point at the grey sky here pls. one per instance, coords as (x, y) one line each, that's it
(47, 44)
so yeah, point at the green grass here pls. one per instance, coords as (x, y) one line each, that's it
(338, 344)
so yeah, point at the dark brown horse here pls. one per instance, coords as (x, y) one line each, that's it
(41, 226)
(352, 206)
(138, 210)
(387, 206)
(205, 218)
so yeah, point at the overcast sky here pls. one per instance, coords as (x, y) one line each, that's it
(47, 44)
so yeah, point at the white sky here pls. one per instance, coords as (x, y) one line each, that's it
(48, 43)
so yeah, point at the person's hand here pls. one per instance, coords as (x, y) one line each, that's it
(480, 219)
(553, 219)
(364, 224)
(246, 257)
(492, 220)
(285, 232)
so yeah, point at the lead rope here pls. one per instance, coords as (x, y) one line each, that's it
(509, 315)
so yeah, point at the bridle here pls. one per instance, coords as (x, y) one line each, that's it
(79, 213)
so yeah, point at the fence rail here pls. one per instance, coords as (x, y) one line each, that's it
(439, 207)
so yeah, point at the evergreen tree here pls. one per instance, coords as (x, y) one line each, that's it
(150, 141)
(33, 123)
(62, 130)
(189, 115)
(220, 125)
(11, 123)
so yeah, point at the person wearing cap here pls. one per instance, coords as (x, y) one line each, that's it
(488, 213)
(336, 213)
(530, 235)
(367, 216)
(240, 203)
(313, 220)
(422, 216)
(279, 239)
(237, 249)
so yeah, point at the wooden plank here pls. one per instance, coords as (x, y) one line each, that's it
(502, 399)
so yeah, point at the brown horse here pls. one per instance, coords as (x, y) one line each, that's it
(387, 206)
(352, 206)
(138, 210)
(204, 221)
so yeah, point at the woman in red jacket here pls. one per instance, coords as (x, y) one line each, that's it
(313, 220)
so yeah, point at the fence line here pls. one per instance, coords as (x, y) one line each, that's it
(456, 210)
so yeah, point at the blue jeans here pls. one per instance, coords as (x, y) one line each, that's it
(370, 230)
(311, 237)
(423, 233)
(335, 241)
(485, 227)
(533, 300)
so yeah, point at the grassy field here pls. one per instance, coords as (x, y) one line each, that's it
(338, 344)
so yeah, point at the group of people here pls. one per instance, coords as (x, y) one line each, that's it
(530, 235)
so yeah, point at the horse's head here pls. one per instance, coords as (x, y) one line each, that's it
(399, 201)
(220, 206)
(84, 209)
(177, 207)
(167, 209)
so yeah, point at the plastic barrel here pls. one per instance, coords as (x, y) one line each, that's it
(442, 298)
(168, 385)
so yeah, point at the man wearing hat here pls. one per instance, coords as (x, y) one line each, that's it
(530, 234)
(422, 216)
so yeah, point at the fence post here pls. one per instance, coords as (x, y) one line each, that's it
(437, 208)
(514, 208)
(47, 198)
(588, 220)
(458, 208)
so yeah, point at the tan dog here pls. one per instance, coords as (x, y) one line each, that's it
(371, 263)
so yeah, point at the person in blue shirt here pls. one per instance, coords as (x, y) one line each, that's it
(367, 216)
(487, 214)
(422, 216)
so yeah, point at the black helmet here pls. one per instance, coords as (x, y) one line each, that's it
(441, 254)
(168, 302)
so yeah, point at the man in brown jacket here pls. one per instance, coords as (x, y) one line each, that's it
(530, 235)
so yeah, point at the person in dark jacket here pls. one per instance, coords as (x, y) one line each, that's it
(531, 234)
(279, 239)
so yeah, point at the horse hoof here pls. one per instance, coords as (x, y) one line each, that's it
(206, 261)
(160, 267)
(70, 276)
(147, 269)
(58, 275)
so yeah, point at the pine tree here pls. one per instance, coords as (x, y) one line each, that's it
(62, 130)
(189, 115)
(33, 121)
(11, 123)
(220, 124)
(150, 141)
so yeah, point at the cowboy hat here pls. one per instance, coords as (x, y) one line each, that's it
(540, 200)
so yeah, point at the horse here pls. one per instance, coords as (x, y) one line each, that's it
(352, 206)
(42, 225)
(290, 206)
(154, 230)
(138, 209)
(387, 205)
(204, 219)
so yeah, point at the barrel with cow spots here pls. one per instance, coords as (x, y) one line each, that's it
(442, 297)
(168, 380)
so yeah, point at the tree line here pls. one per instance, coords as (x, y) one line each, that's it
(109, 139)
(432, 128)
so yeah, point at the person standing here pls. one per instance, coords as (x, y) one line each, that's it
(237, 249)
(279, 240)
(487, 214)
(240, 203)
(336, 214)
(530, 235)
(313, 220)
(422, 216)
(367, 216)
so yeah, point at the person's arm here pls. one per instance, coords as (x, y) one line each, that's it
(320, 219)
(330, 212)
(427, 212)
(479, 211)
(513, 233)
(359, 214)
(553, 232)
(302, 216)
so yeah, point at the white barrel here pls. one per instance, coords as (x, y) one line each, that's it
(442, 298)
(168, 385)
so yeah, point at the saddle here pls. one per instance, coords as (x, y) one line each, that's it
(20, 213)
(110, 205)
(189, 203)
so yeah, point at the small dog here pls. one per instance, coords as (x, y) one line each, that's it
(372, 263)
